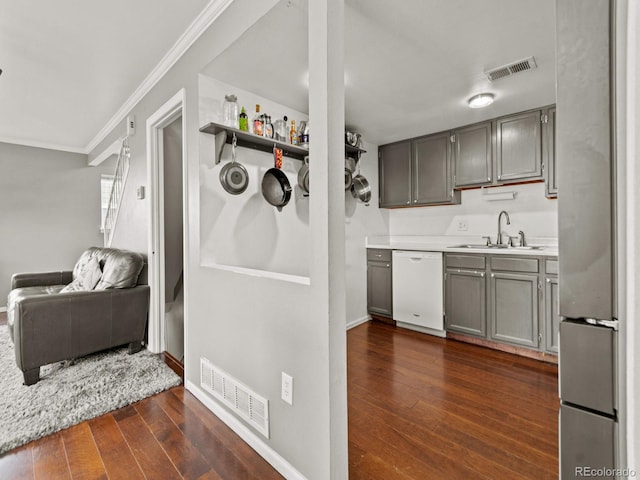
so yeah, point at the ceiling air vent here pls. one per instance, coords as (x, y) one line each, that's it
(523, 65)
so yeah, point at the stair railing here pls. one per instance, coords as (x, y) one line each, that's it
(117, 190)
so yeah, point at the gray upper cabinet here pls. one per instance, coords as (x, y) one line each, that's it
(473, 162)
(551, 166)
(432, 174)
(519, 147)
(395, 174)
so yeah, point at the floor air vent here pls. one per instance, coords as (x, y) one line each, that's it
(511, 69)
(251, 407)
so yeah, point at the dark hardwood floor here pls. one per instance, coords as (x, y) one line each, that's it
(420, 408)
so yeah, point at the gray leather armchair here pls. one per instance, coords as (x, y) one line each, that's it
(49, 326)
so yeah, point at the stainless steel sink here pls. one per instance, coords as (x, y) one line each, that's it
(478, 245)
(494, 246)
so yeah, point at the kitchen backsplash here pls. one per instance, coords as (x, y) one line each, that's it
(529, 211)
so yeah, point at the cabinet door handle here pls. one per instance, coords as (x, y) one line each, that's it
(379, 255)
(482, 275)
(548, 280)
(493, 275)
(387, 265)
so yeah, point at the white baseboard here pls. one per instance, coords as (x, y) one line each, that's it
(3, 309)
(359, 321)
(265, 451)
(418, 328)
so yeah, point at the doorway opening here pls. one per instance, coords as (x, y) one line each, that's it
(166, 153)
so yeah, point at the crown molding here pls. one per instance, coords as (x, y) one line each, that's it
(203, 21)
(39, 144)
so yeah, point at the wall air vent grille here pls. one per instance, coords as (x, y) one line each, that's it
(250, 406)
(511, 69)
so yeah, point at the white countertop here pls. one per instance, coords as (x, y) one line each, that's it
(447, 243)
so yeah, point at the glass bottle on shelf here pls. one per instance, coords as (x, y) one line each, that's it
(303, 134)
(267, 128)
(293, 134)
(230, 111)
(258, 121)
(243, 121)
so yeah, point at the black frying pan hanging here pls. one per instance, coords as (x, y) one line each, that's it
(233, 176)
(276, 188)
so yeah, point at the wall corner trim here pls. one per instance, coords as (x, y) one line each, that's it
(358, 321)
(203, 21)
(265, 451)
(110, 151)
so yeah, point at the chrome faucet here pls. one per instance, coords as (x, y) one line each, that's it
(499, 238)
(523, 241)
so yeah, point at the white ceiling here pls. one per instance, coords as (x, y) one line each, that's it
(69, 65)
(410, 66)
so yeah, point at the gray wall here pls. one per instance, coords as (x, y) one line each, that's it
(253, 328)
(49, 210)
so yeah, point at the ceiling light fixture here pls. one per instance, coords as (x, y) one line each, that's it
(481, 100)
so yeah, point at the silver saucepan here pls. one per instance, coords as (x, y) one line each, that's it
(233, 176)
(303, 175)
(361, 189)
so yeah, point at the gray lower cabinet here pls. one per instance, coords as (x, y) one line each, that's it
(504, 298)
(465, 302)
(552, 315)
(514, 308)
(394, 165)
(519, 147)
(551, 305)
(379, 282)
(472, 156)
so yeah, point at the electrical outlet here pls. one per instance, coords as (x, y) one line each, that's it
(463, 225)
(287, 388)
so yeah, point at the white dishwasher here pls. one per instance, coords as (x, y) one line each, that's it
(417, 291)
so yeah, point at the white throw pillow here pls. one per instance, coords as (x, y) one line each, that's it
(86, 279)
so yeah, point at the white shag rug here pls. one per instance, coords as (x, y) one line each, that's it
(73, 391)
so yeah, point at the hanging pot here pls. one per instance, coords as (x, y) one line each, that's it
(276, 188)
(233, 176)
(361, 189)
(303, 175)
(348, 179)
(350, 164)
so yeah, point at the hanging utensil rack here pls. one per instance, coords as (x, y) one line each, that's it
(225, 135)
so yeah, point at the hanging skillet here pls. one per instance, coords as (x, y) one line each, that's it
(303, 176)
(233, 176)
(276, 188)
